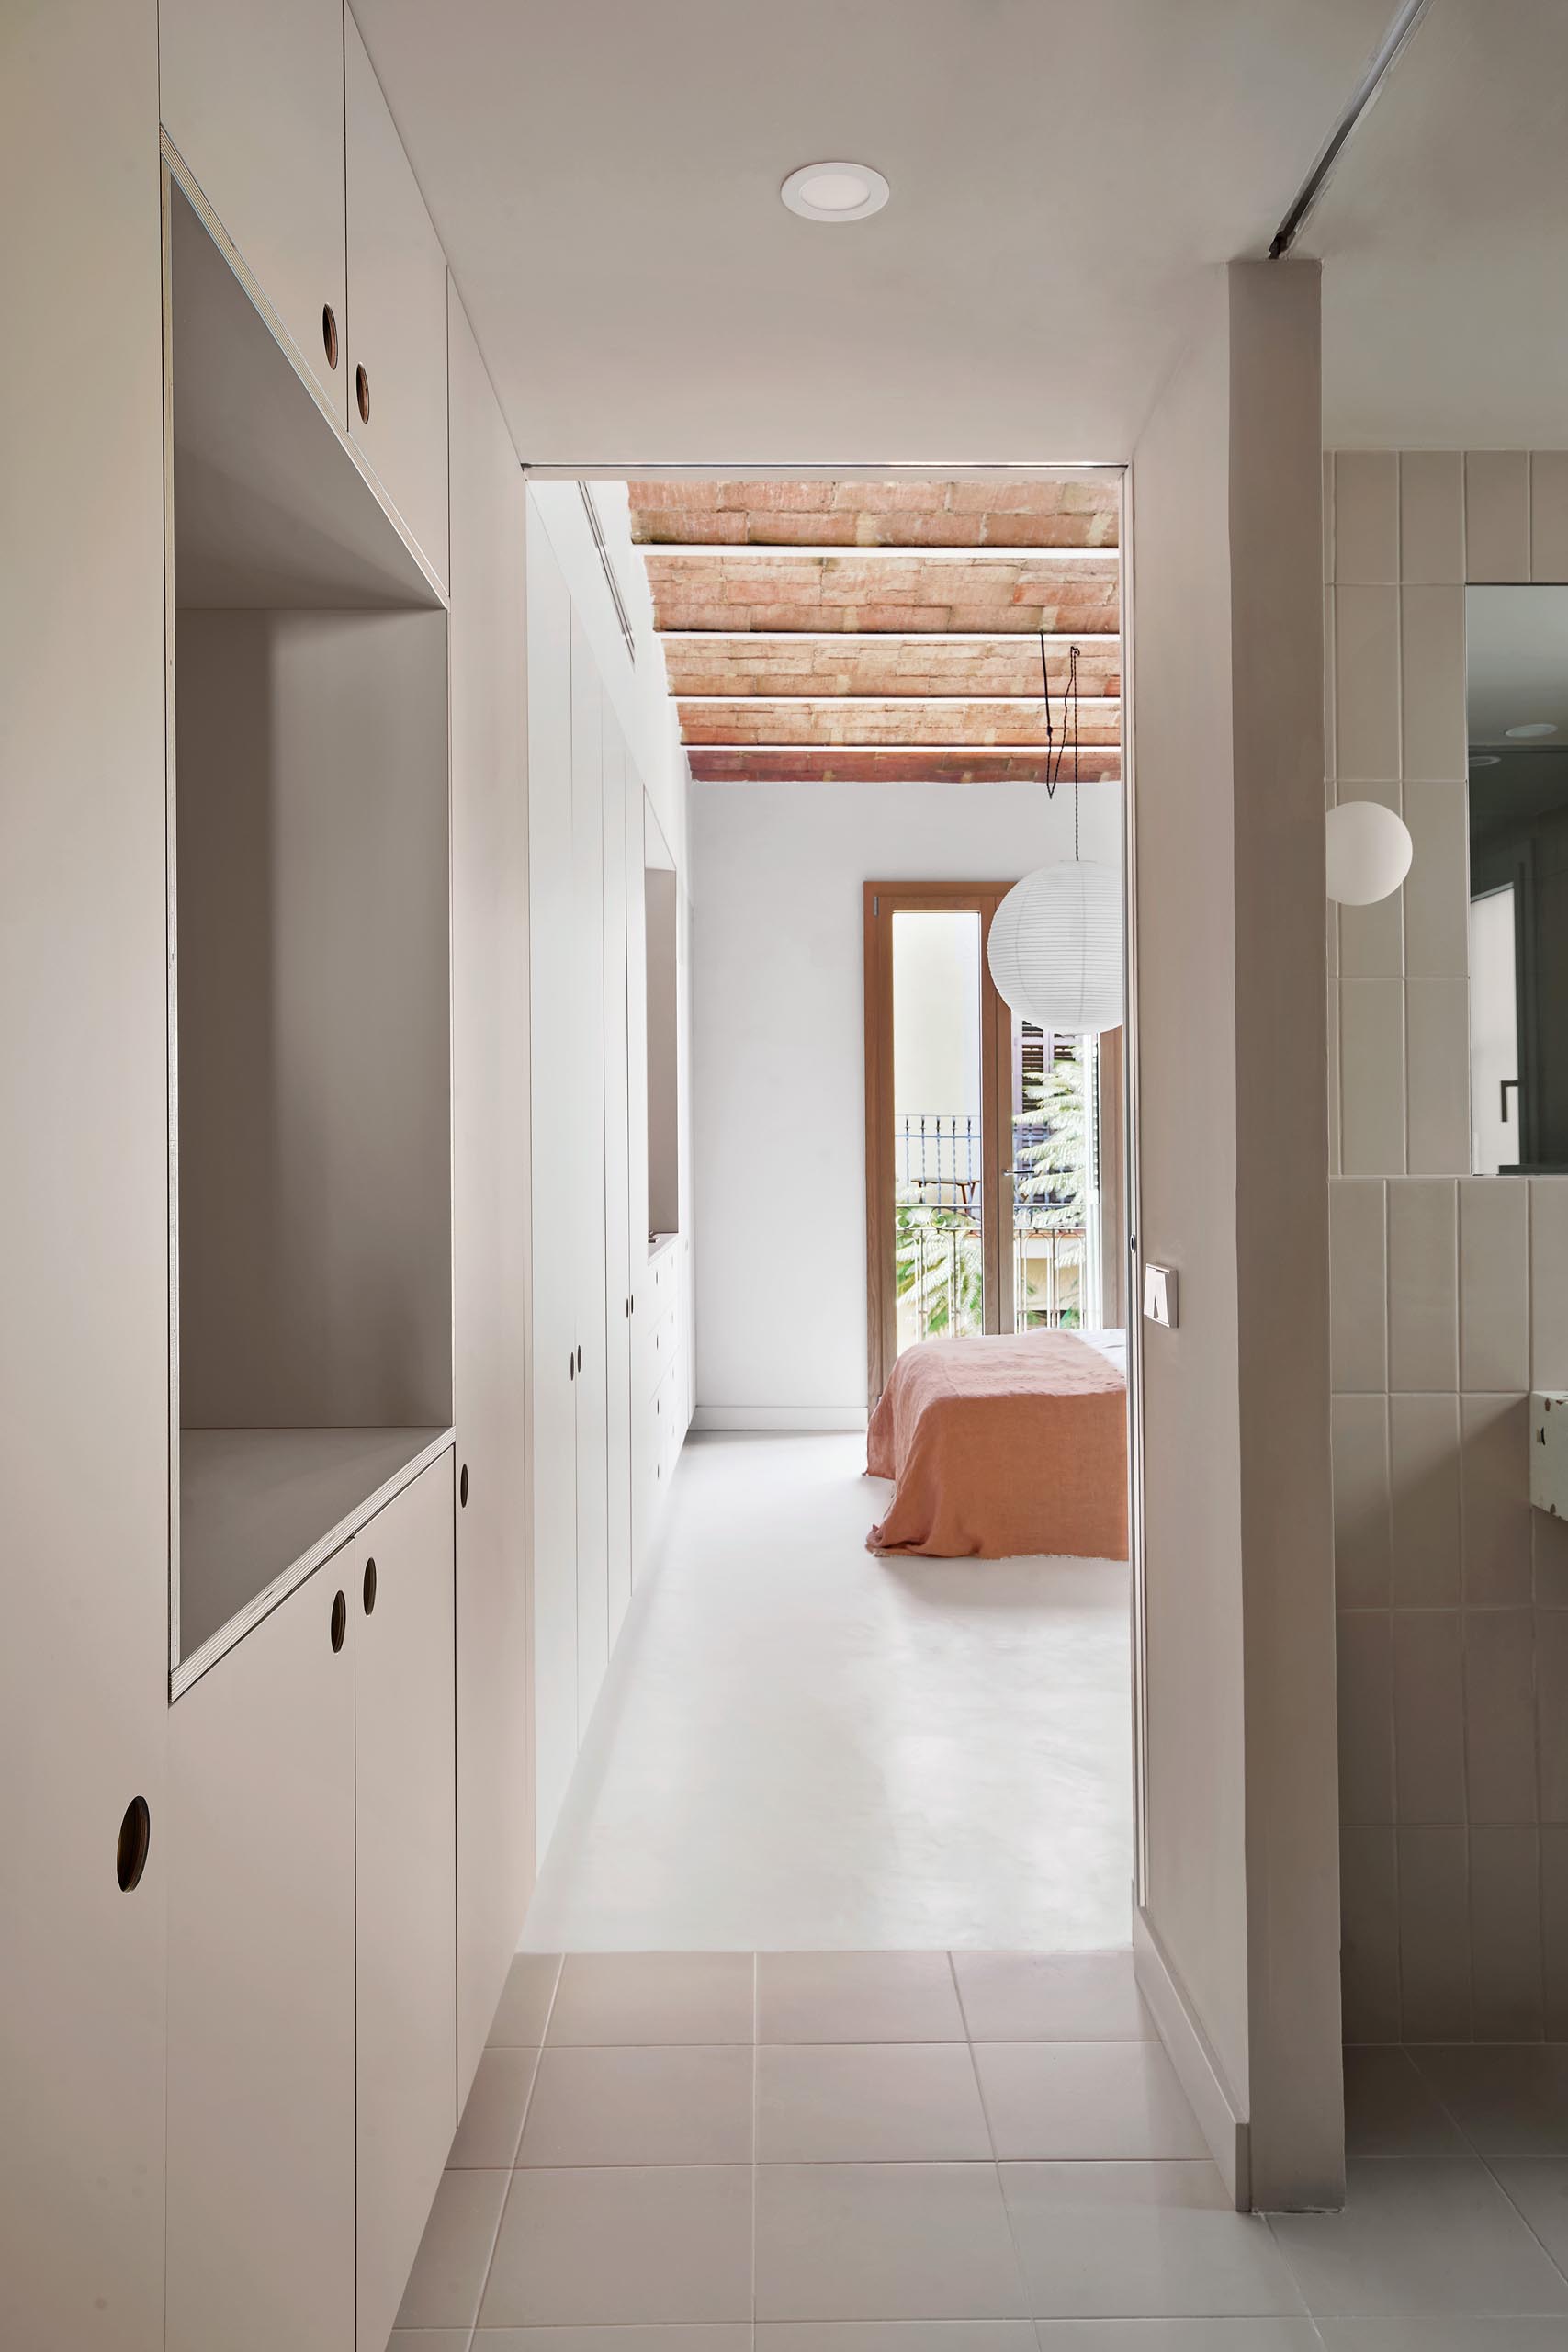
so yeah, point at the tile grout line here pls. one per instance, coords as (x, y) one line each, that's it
(513, 2169)
(756, 2098)
(1019, 2266)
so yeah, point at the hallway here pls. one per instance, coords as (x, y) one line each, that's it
(799, 1746)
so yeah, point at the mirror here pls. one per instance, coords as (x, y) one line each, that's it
(1516, 718)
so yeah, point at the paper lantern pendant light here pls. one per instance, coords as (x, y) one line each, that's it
(1054, 949)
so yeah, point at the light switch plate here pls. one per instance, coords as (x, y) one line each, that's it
(1162, 1295)
(1549, 1451)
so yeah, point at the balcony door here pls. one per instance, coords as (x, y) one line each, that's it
(985, 1141)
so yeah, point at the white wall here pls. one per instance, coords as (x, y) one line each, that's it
(778, 1055)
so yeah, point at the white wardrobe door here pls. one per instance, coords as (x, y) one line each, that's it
(590, 718)
(490, 1149)
(646, 1304)
(84, 1181)
(618, 1199)
(552, 1090)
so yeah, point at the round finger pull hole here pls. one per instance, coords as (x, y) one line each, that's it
(340, 1620)
(329, 333)
(370, 1586)
(135, 1836)
(463, 1486)
(362, 394)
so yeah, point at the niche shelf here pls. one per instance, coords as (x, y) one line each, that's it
(310, 1194)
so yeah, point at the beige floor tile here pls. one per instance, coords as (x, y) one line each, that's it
(898, 2336)
(1442, 2335)
(1420, 2234)
(869, 2103)
(1051, 1996)
(491, 2124)
(655, 1998)
(1391, 2110)
(1130, 2241)
(429, 2339)
(883, 2242)
(1539, 2187)
(856, 1996)
(681, 2337)
(635, 2106)
(1509, 2098)
(525, 1999)
(1074, 2099)
(1176, 2335)
(449, 2268)
(623, 2247)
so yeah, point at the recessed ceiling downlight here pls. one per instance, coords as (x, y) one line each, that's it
(1530, 732)
(835, 191)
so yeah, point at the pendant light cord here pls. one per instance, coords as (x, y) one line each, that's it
(1055, 750)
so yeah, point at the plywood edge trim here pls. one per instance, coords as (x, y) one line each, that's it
(1198, 2070)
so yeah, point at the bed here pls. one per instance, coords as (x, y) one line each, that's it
(1005, 1444)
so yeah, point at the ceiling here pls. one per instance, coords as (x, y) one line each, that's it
(847, 631)
(604, 178)
(1517, 650)
(1445, 320)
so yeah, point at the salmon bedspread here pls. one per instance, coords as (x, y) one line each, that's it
(1002, 1444)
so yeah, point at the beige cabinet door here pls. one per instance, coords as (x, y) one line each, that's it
(397, 313)
(405, 1884)
(252, 95)
(261, 1986)
(490, 1199)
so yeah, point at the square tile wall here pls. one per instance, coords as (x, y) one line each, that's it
(1404, 531)
(1449, 1301)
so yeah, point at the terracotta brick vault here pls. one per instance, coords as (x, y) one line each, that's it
(822, 631)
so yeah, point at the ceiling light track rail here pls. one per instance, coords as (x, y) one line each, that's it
(1405, 19)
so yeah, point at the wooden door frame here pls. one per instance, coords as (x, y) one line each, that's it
(882, 901)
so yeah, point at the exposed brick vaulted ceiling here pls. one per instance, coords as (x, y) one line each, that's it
(823, 630)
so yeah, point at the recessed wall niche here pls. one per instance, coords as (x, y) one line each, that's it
(310, 1279)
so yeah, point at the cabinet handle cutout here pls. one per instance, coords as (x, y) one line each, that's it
(370, 1586)
(580, 1358)
(463, 1486)
(340, 1621)
(329, 333)
(135, 1836)
(362, 394)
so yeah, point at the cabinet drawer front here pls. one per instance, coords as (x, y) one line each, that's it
(395, 367)
(262, 1986)
(251, 95)
(406, 1882)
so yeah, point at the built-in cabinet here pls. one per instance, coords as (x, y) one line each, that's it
(608, 1418)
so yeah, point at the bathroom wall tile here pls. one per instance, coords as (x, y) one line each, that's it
(1504, 1934)
(1431, 515)
(1432, 731)
(1549, 1547)
(1359, 1431)
(1424, 1475)
(1371, 1078)
(1371, 939)
(1429, 1714)
(1334, 1151)
(1553, 1927)
(1434, 1935)
(1357, 1291)
(1423, 1284)
(1551, 1704)
(1437, 888)
(1496, 515)
(1369, 1933)
(1494, 1282)
(1548, 515)
(1496, 1474)
(1366, 515)
(1366, 1716)
(1366, 685)
(1328, 514)
(1437, 1026)
(1549, 1281)
(1499, 1699)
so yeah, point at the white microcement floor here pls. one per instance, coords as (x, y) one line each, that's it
(799, 1746)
